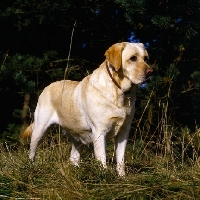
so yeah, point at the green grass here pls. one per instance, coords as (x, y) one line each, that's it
(150, 175)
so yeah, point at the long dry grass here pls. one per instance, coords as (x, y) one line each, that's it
(162, 165)
(152, 172)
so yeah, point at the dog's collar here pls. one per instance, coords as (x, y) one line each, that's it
(126, 94)
(114, 81)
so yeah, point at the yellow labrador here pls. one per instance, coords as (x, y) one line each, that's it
(96, 109)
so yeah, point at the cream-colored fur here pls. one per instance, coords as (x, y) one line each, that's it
(96, 109)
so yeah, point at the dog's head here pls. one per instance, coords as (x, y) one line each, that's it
(130, 59)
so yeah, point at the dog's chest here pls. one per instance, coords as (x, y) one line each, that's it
(115, 128)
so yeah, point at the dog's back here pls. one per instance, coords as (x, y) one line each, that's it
(58, 99)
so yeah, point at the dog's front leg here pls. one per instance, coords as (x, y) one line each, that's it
(120, 143)
(99, 142)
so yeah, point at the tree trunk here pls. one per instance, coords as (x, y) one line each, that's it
(24, 113)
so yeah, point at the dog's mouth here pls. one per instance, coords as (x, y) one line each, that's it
(146, 82)
(144, 79)
(148, 79)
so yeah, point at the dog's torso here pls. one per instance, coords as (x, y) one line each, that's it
(91, 103)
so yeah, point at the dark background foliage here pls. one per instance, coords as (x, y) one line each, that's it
(36, 35)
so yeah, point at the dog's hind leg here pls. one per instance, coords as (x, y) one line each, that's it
(76, 151)
(43, 119)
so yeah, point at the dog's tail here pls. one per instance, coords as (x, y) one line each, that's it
(28, 132)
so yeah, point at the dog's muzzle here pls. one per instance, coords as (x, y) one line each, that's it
(149, 72)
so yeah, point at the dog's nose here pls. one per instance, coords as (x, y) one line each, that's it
(149, 71)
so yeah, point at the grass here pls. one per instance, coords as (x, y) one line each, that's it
(151, 173)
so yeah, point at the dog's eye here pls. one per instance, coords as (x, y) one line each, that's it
(146, 59)
(133, 58)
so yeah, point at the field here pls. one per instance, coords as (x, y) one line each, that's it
(154, 171)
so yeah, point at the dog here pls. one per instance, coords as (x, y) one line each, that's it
(96, 109)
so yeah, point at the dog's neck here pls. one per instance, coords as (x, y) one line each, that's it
(125, 89)
(120, 81)
(115, 88)
(109, 73)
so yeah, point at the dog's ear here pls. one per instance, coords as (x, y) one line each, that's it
(114, 55)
